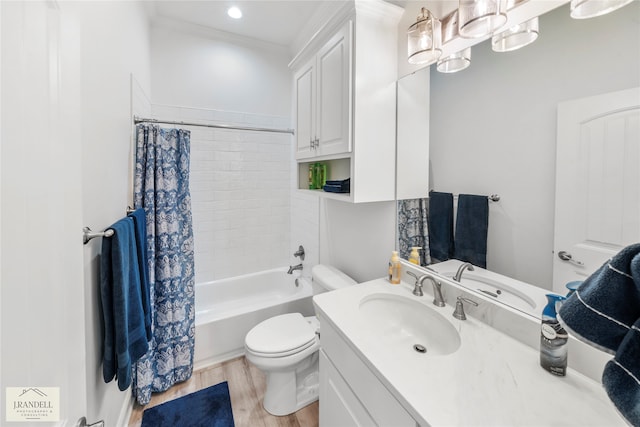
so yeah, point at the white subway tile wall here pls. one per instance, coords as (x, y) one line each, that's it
(240, 190)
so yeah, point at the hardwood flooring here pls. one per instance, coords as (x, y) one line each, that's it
(246, 388)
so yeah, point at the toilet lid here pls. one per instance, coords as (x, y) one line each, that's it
(280, 334)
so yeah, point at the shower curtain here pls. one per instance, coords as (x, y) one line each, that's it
(161, 187)
(413, 228)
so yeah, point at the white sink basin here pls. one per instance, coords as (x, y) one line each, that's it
(402, 323)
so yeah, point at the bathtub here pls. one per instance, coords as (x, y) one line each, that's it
(227, 309)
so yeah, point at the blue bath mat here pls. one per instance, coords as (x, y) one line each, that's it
(210, 407)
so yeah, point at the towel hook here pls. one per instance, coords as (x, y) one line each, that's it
(88, 234)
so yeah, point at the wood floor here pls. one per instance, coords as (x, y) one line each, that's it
(246, 388)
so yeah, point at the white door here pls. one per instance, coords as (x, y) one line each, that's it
(41, 262)
(597, 183)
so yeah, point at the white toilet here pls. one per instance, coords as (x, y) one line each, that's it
(286, 347)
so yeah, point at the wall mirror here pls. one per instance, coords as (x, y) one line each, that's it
(494, 127)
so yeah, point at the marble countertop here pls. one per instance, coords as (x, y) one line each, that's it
(491, 380)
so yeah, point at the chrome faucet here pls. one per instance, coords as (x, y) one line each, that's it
(437, 288)
(292, 268)
(461, 269)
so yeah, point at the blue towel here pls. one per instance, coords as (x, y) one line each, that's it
(125, 338)
(472, 224)
(440, 225)
(140, 227)
(605, 312)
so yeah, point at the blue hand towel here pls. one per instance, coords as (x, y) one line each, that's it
(603, 308)
(605, 312)
(125, 338)
(140, 227)
(440, 225)
(621, 376)
(472, 224)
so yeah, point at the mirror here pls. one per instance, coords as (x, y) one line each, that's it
(493, 128)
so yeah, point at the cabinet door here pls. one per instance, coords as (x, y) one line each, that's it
(338, 405)
(305, 90)
(333, 118)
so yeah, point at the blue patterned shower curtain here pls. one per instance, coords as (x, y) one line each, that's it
(413, 228)
(162, 188)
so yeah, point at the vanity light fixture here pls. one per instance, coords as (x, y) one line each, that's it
(516, 37)
(479, 18)
(234, 12)
(455, 62)
(424, 39)
(583, 9)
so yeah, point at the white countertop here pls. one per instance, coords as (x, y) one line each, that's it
(491, 380)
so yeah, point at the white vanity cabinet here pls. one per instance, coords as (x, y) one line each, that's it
(350, 394)
(345, 100)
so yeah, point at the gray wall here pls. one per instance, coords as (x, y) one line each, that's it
(493, 126)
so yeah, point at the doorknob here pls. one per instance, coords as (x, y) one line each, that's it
(566, 256)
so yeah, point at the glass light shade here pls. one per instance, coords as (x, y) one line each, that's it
(582, 9)
(424, 39)
(516, 37)
(479, 18)
(455, 62)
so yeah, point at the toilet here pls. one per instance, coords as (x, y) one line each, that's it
(285, 348)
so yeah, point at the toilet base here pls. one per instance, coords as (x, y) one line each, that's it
(288, 392)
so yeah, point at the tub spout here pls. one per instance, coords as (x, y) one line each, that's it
(292, 268)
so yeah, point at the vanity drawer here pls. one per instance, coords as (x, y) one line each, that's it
(381, 405)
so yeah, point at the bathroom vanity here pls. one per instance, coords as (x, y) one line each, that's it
(390, 358)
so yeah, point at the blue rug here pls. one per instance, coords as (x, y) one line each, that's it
(210, 407)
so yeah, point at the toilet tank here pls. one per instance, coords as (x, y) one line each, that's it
(327, 278)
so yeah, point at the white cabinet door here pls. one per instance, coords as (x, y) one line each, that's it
(339, 407)
(597, 182)
(333, 117)
(305, 110)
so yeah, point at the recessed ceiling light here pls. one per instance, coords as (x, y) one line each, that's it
(234, 12)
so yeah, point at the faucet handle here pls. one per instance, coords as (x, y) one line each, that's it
(458, 313)
(417, 289)
(299, 252)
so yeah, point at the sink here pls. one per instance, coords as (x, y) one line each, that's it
(402, 323)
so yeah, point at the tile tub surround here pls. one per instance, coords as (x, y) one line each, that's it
(492, 379)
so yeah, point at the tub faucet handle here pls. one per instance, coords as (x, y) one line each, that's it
(299, 252)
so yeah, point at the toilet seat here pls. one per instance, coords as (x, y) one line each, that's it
(281, 336)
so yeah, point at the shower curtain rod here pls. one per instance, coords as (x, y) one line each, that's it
(137, 120)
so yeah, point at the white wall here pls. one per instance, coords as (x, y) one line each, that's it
(115, 45)
(195, 67)
(357, 238)
(493, 126)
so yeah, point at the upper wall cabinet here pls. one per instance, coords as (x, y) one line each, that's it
(322, 92)
(345, 100)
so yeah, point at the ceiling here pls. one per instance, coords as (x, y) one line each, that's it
(274, 21)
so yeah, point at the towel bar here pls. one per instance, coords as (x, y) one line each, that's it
(492, 198)
(88, 234)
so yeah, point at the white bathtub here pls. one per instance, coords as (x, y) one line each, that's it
(227, 309)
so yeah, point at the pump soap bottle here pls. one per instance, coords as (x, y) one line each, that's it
(395, 268)
(414, 256)
(553, 339)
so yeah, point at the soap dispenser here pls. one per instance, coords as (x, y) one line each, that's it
(395, 268)
(553, 338)
(414, 257)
